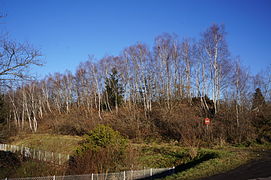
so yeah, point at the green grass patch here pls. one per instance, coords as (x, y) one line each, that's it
(49, 142)
(206, 163)
(224, 160)
(159, 156)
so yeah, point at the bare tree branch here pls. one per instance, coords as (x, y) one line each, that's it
(16, 59)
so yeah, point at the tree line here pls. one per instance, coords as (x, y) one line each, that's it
(163, 91)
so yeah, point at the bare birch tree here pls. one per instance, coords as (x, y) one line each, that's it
(215, 47)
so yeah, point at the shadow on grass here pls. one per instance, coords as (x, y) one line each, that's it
(181, 167)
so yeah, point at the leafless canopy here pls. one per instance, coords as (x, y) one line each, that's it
(15, 61)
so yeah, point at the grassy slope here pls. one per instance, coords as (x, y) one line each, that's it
(160, 155)
(226, 159)
(48, 142)
(154, 155)
(170, 155)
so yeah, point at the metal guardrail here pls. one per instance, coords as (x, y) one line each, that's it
(125, 175)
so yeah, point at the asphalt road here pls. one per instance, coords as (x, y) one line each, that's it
(255, 169)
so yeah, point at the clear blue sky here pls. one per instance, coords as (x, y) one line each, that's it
(67, 31)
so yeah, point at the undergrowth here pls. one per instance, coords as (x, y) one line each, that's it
(207, 161)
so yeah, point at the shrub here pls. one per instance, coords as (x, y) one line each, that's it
(8, 163)
(70, 129)
(102, 150)
(102, 137)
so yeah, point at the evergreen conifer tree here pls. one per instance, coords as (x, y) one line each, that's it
(3, 109)
(113, 89)
(258, 101)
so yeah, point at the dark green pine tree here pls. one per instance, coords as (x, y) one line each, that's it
(113, 90)
(261, 118)
(3, 109)
(4, 130)
(258, 101)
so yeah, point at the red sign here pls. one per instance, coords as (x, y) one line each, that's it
(207, 121)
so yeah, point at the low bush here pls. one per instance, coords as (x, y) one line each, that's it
(71, 129)
(102, 150)
(8, 163)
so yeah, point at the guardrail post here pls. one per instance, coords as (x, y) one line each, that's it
(144, 171)
(59, 158)
(52, 157)
(151, 172)
(123, 175)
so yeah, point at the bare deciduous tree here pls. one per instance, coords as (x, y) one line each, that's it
(216, 50)
(15, 61)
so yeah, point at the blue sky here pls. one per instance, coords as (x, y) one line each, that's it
(67, 31)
